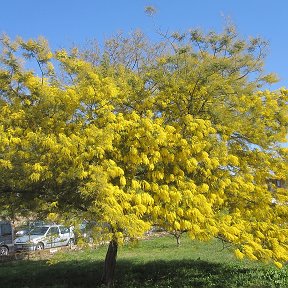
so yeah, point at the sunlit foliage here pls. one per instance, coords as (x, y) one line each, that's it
(182, 134)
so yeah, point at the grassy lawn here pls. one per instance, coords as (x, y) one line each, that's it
(157, 262)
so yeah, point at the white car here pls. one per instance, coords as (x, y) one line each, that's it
(46, 236)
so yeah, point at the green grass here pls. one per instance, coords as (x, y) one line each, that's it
(149, 263)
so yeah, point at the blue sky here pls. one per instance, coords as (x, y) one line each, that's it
(64, 22)
(67, 22)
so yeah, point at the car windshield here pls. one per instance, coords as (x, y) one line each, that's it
(39, 230)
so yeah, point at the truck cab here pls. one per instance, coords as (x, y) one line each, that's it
(6, 238)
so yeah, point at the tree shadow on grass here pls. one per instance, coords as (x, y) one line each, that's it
(36, 274)
(184, 273)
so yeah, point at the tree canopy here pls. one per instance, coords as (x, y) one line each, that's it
(182, 133)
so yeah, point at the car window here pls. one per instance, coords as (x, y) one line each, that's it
(6, 229)
(39, 230)
(53, 231)
(64, 230)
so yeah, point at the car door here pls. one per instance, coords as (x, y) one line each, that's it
(6, 233)
(64, 235)
(53, 237)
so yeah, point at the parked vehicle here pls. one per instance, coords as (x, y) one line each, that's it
(46, 236)
(85, 231)
(6, 238)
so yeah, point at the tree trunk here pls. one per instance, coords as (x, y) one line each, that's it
(110, 264)
(178, 240)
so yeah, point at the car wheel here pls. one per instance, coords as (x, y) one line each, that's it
(4, 251)
(39, 246)
(70, 242)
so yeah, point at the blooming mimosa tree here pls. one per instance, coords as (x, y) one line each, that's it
(179, 134)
